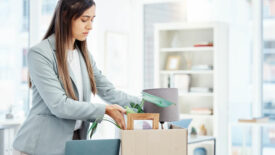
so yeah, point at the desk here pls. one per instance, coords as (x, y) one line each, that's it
(199, 139)
(8, 129)
(256, 136)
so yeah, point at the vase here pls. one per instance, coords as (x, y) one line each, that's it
(200, 151)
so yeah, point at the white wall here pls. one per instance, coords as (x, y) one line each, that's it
(116, 16)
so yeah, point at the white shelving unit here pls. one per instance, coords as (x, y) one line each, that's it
(178, 39)
(187, 72)
(187, 49)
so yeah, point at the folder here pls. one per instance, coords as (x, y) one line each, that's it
(93, 147)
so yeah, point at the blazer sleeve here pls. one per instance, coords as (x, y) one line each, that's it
(50, 89)
(108, 92)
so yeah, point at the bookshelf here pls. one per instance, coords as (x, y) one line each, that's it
(200, 73)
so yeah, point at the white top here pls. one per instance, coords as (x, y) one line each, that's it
(73, 61)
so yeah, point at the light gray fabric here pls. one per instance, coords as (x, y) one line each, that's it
(53, 115)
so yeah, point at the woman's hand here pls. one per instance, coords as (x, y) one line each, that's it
(117, 113)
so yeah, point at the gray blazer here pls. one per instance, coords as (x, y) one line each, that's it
(51, 121)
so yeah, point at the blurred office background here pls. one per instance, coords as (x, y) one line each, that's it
(251, 58)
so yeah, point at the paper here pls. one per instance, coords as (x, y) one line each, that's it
(181, 123)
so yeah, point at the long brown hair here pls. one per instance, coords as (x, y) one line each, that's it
(61, 23)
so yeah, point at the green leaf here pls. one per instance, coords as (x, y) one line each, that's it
(135, 108)
(142, 103)
(139, 109)
(129, 110)
(132, 105)
(93, 128)
(112, 123)
(156, 100)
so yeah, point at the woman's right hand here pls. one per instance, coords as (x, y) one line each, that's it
(117, 113)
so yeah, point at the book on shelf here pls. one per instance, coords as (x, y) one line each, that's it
(201, 111)
(201, 89)
(254, 120)
(202, 67)
(182, 81)
(204, 44)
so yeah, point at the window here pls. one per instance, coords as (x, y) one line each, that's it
(14, 44)
(13, 49)
(268, 133)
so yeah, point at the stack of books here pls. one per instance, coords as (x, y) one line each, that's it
(204, 44)
(202, 67)
(201, 111)
(201, 90)
(182, 81)
(254, 120)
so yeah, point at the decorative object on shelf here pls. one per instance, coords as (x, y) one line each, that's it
(201, 89)
(202, 67)
(169, 113)
(202, 130)
(254, 120)
(188, 57)
(201, 111)
(204, 44)
(193, 131)
(182, 81)
(9, 115)
(169, 81)
(200, 151)
(175, 42)
(173, 62)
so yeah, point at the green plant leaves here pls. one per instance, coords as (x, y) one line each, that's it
(129, 110)
(134, 108)
(93, 127)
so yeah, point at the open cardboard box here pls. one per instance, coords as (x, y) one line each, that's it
(153, 141)
(135, 142)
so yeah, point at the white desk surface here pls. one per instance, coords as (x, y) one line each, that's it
(198, 139)
(10, 123)
(256, 124)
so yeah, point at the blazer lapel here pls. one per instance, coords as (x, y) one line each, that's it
(85, 78)
(73, 80)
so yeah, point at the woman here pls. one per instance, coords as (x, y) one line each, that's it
(62, 76)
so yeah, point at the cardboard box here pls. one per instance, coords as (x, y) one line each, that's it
(154, 142)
